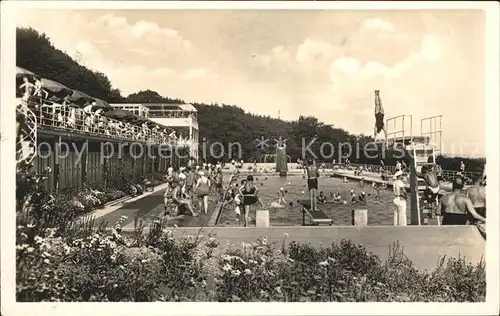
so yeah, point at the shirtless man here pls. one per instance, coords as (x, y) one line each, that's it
(477, 195)
(379, 116)
(456, 208)
(312, 183)
(429, 175)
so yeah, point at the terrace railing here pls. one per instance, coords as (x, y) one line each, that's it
(77, 121)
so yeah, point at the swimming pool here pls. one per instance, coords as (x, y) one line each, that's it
(380, 211)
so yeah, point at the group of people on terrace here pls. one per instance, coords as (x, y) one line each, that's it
(86, 114)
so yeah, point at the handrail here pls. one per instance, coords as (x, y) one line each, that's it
(28, 134)
(76, 120)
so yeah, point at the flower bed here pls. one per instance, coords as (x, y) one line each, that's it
(58, 210)
(98, 264)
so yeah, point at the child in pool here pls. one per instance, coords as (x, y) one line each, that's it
(281, 197)
(322, 198)
(337, 197)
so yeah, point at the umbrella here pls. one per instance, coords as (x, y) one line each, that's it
(80, 98)
(24, 72)
(56, 88)
(121, 115)
(100, 104)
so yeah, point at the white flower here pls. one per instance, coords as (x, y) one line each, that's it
(31, 249)
(227, 267)
(235, 272)
(252, 261)
(47, 261)
(38, 239)
(31, 225)
(46, 254)
(278, 289)
(331, 259)
(264, 241)
(323, 263)
(248, 272)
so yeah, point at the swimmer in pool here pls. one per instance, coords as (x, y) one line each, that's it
(362, 198)
(477, 195)
(337, 197)
(281, 197)
(321, 198)
(354, 197)
(376, 187)
(456, 208)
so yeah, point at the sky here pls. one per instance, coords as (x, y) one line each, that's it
(325, 63)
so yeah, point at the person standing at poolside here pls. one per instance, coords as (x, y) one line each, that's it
(456, 208)
(249, 194)
(399, 190)
(202, 189)
(462, 168)
(218, 179)
(477, 195)
(312, 183)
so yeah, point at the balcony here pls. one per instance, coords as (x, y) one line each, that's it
(73, 120)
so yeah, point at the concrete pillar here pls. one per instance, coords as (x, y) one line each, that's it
(262, 218)
(360, 217)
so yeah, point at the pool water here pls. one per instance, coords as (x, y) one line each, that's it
(380, 211)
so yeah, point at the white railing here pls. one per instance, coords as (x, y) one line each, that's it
(76, 120)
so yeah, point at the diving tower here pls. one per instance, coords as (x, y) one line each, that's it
(421, 150)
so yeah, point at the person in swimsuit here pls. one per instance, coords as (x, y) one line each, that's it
(181, 197)
(202, 189)
(322, 197)
(167, 197)
(429, 175)
(249, 194)
(362, 198)
(190, 181)
(312, 183)
(376, 187)
(281, 197)
(218, 184)
(379, 116)
(456, 208)
(477, 195)
(26, 88)
(337, 197)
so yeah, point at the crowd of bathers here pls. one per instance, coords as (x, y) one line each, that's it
(189, 188)
(88, 116)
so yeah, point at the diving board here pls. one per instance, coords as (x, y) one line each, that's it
(316, 217)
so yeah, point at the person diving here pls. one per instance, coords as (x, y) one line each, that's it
(379, 116)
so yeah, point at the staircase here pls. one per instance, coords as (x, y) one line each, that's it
(26, 140)
(420, 158)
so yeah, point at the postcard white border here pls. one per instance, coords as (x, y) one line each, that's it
(7, 173)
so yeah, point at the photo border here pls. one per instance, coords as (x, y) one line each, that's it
(8, 167)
